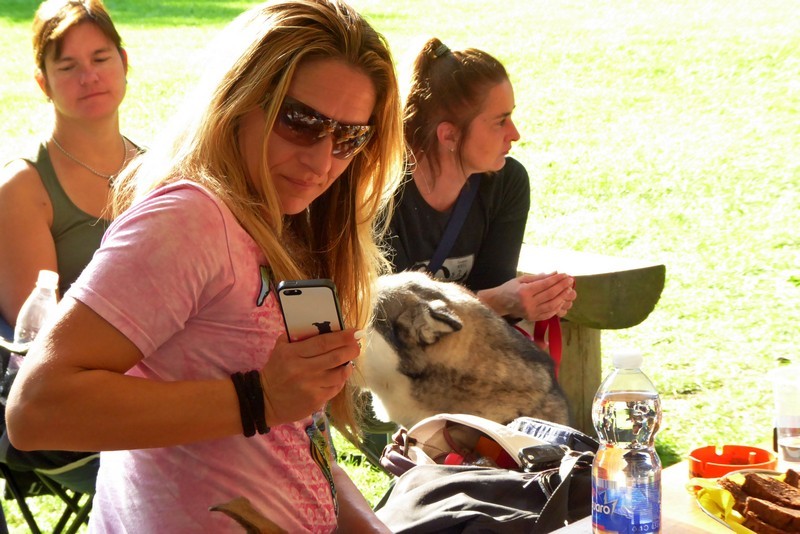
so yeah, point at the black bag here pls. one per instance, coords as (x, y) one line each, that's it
(549, 486)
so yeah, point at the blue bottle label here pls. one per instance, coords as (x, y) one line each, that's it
(626, 509)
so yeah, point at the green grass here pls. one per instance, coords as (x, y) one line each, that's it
(662, 130)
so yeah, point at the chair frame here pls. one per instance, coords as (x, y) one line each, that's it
(67, 524)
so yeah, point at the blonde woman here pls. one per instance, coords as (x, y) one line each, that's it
(169, 349)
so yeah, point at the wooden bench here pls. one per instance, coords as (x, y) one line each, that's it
(613, 293)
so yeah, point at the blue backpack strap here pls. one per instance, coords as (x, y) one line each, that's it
(456, 221)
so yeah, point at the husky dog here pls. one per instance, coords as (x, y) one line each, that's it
(435, 348)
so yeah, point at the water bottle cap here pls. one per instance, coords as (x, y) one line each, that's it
(47, 279)
(627, 360)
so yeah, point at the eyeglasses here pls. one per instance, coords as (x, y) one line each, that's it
(304, 126)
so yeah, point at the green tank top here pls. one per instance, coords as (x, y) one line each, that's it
(76, 233)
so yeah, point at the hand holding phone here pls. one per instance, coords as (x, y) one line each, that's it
(309, 308)
(302, 375)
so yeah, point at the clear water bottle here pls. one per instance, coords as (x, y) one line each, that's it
(626, 473)
(33, 314)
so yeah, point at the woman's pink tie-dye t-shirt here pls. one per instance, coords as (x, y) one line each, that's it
(179, 277)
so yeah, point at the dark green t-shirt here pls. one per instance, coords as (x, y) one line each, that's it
(76, 233)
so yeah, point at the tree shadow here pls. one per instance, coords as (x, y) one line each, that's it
(668, 454)
(152, 13)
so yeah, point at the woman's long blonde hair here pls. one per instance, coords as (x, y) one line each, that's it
(336, 237)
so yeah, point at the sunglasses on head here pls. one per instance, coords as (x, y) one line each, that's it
(304, 126)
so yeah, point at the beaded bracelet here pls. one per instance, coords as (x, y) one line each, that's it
(251, 402)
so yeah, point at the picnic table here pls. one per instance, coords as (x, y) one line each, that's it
(679, 509)
(613, 293)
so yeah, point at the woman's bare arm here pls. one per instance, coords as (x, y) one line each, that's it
(355, 513)
(72, 394)
(26, 245)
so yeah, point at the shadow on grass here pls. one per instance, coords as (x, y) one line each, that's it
(668, 455)
(168, 13)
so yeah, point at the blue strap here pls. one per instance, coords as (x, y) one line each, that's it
(456, 221)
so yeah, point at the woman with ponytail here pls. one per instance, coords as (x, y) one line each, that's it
(459, 130)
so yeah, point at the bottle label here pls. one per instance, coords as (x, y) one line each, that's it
(626, 509)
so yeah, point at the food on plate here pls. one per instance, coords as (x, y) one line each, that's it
(792, 478)
(768, 504)
(739, 496)
(774, 515)
(771, 489)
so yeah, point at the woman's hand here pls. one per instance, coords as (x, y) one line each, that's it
(302, 376)
(534, 297)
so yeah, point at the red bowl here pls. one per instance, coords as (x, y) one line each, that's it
(716, 461)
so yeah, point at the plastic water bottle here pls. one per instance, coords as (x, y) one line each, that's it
(33, 314)
(626, 473)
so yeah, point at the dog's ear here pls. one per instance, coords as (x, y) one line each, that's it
(438, 320)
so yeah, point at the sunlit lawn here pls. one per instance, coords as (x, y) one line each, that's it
(661, 130)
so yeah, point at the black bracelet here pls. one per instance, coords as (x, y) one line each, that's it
(248, 423)
(255, 394)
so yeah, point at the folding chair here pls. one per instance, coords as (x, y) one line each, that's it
(22, 485)
(72, 483)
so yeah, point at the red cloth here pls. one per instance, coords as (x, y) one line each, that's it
(553, 342)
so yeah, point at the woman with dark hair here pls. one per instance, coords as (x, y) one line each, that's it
(459, 131)
(55, 202)
(169, 352)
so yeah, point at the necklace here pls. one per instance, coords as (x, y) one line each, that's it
(423, 174)
(109, 177)
(427, 185)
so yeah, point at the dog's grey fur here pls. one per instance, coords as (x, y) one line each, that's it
(435, 348)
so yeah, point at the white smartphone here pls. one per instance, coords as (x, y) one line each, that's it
(309, 308)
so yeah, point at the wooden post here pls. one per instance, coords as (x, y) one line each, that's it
(580, 372)
(613, 293)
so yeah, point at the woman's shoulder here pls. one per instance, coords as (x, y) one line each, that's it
(26, 204)
(187, 191)
(514, 169)
(513, 176)
(24, 165)
(20, 182)
(186, 206)
(16, 170)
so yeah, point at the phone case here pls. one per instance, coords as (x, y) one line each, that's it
(309, 307)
